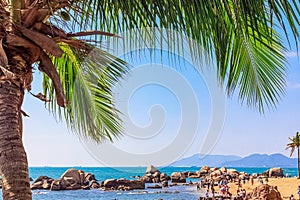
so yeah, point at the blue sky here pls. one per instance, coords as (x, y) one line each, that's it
(245, 131)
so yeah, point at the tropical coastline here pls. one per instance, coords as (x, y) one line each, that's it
(186, 190)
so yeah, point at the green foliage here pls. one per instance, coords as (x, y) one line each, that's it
(87, 84)
(294, 144)
(239, 35)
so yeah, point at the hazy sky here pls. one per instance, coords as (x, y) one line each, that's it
(169, 99)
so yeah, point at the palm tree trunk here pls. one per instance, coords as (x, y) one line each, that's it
(298, 162)
(13, 159)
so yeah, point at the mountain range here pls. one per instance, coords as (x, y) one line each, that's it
(253, 160)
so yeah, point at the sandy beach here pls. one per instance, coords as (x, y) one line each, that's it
(286, 186)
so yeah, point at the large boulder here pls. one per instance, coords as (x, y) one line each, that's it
(94, 184)
(275, 172)
(151, 169)
(205, 168)
(42, 183)
(204, 171)
(264, 192)
(89, 177)
(233, 173)
(110, 183)
(178, 177)
(73, 179)
(216, 173)
(223, 170)
(152, 175)
(122, 184)
(193, 175)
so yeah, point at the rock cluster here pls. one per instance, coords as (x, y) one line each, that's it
(153, 175)
(122, 184)
(42, 183)
(178, 177)
(72, 179)
(264, 192)
(217, 174)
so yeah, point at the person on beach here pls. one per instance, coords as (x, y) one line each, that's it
(213, 190)
(267, 180)
(252, 180)
(207, 194)
(208, 184)
(292, 197)
(299, 191)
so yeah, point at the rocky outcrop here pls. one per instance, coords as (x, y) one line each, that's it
(264, 192)
(233, 173)
(273, 172)
(122, 184)
(94, 184)
(151, 169)
(152, 175)
(42, 183)
(178, 177)
(276, 172)
(74, 179)
(204, 171)
(193, 175)
(164, 179)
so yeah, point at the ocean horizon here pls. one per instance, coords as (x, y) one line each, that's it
(103, 173)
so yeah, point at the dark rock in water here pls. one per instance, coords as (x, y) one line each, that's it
(165, 184)
(265, 192)
(94, 184)
(0, 183)
(178, 177)
(30, 179)
(85, 187)
(152, 175)
(89, 177)
(156, 186)
(110, 183)
(193, 175)
(122, 184)
(42, 182)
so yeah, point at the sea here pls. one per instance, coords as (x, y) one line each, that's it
(103, 173)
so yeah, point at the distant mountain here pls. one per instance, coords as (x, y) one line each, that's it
(263, 160)
(254, 160)
(201, 160)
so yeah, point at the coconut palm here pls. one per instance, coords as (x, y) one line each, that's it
(52, 37)
(295, 144)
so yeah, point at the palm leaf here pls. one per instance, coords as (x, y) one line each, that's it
(90, 111)
(239, 35)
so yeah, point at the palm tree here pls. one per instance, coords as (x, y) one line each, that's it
(295, 144)
(239, 35)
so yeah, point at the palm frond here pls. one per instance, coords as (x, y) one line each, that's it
(239, 35)
(295, 143)
(87, 83)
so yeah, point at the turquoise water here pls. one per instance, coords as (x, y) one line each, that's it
(103, 173)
